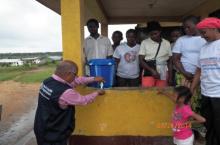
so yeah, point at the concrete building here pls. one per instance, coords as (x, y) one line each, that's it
(11, 62)
(31, 60)
(123, 116)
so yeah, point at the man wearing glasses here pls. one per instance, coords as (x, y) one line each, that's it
(54, 119)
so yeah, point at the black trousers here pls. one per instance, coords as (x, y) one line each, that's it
(210, 109)
(124, 82)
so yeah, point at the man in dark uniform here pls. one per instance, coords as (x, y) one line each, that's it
(54, 119)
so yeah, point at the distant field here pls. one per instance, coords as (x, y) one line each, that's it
(26, 74)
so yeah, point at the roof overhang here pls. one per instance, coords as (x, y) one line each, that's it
(51, 4)
(136, 11)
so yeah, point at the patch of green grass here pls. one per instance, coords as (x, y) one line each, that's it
(5, 76)
(20, 68)
(31, 74)
(10, 73)
(33, 77)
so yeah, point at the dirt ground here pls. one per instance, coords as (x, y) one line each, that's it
(18, 106)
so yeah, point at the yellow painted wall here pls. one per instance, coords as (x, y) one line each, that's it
(72, 12)
(125, 112)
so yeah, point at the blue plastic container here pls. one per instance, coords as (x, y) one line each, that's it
(104, 68)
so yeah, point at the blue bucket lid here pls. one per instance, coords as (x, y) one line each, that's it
(101, 62)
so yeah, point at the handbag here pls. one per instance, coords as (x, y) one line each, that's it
(152, 63)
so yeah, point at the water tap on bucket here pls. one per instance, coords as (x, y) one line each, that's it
(101, 85)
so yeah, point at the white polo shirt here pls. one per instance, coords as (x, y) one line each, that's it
(209, 62)
(98, 48)
(149, 47)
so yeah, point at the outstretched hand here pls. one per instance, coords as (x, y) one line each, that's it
(167, 94)
(99, 79)
(101, 92)
(160, 91)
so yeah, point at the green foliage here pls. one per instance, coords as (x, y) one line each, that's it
(33, 77)
(8, 76)
(27, 74)
(25, 55)
(10, 73)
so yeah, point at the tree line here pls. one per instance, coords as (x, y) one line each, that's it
(28, 55)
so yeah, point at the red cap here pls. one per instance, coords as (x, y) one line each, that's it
(209, 23)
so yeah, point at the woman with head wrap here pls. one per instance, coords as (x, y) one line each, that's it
(208, 73)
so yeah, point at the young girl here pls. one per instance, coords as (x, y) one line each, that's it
(183, 116)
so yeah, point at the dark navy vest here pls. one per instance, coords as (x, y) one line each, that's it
(51, 122)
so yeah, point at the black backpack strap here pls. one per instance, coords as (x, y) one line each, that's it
(158, 49)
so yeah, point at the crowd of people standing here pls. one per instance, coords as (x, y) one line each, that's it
(192, 55)
(193, 58)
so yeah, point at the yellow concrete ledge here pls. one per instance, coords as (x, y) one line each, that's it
(125, 112)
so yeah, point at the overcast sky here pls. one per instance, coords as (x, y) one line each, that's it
(28, 26)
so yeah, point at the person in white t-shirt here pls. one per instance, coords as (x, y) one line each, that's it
(208, 72)
(186, 51)
(174, 35)
(126, 56)
(96, 46)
